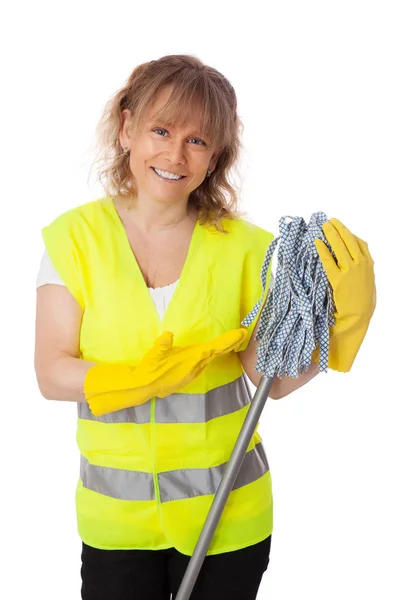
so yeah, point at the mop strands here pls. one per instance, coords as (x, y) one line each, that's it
(300, 308)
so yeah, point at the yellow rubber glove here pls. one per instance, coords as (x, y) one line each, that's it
(163, 370)
(354, 293)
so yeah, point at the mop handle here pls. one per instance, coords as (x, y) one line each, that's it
(224, 488)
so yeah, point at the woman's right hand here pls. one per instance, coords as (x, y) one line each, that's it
(166, 369)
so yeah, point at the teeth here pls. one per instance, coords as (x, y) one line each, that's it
(167, 175)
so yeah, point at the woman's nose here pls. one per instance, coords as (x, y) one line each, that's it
(176, 151)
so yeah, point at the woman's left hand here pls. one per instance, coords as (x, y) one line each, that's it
(353, 282)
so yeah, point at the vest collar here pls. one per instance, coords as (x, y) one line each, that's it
(187, 278)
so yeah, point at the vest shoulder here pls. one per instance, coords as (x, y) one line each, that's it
(248, 231)
(77, 215)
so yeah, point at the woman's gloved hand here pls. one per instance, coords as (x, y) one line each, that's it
(354, 293)
(162, 371)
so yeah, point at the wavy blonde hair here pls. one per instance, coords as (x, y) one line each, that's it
(191, 81)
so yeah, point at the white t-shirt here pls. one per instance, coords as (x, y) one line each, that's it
(161, 296)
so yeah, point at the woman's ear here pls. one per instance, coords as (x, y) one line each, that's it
(124, 137)
(214, 160)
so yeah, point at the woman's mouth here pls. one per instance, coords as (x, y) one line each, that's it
(167, 177)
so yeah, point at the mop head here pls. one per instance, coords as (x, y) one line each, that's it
(300, 307)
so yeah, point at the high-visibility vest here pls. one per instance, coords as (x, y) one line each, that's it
(148, 474)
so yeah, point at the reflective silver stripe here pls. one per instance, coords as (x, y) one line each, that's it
(200, 408)
(181, 408)
(174, 485)
(134, 414)
(188, 483)
(117, 483)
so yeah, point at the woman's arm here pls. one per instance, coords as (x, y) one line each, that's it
(285, 386)
(60, 373)
(65, 378)
(280, 387)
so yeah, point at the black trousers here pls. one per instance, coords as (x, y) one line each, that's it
(156, 574)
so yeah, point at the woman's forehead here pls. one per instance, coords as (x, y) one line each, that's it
(174, 116)
(176, 113)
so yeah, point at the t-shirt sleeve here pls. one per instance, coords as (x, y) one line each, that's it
(59, 242)
(47, 273)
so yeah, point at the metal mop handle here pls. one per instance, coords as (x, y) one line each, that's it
(224, 488)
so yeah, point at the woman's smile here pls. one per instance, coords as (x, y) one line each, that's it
(163, 176)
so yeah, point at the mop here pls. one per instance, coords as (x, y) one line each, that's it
(295, 320)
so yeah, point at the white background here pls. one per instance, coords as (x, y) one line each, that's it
(318, 91)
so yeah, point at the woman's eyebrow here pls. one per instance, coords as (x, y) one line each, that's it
(195, 129)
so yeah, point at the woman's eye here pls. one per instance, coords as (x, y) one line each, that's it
(201, 141)
(198, 139)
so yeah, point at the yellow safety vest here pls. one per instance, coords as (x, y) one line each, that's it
(148, 474)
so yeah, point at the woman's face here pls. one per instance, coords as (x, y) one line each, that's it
(175, 150)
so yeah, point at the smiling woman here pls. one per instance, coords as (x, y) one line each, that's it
(174, 155)
(167, 167)
(169, 142)
(179, 116)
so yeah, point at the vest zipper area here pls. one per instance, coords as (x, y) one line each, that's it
(154, 453)
(155, 468)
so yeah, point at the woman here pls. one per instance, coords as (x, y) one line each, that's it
(164, 251)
